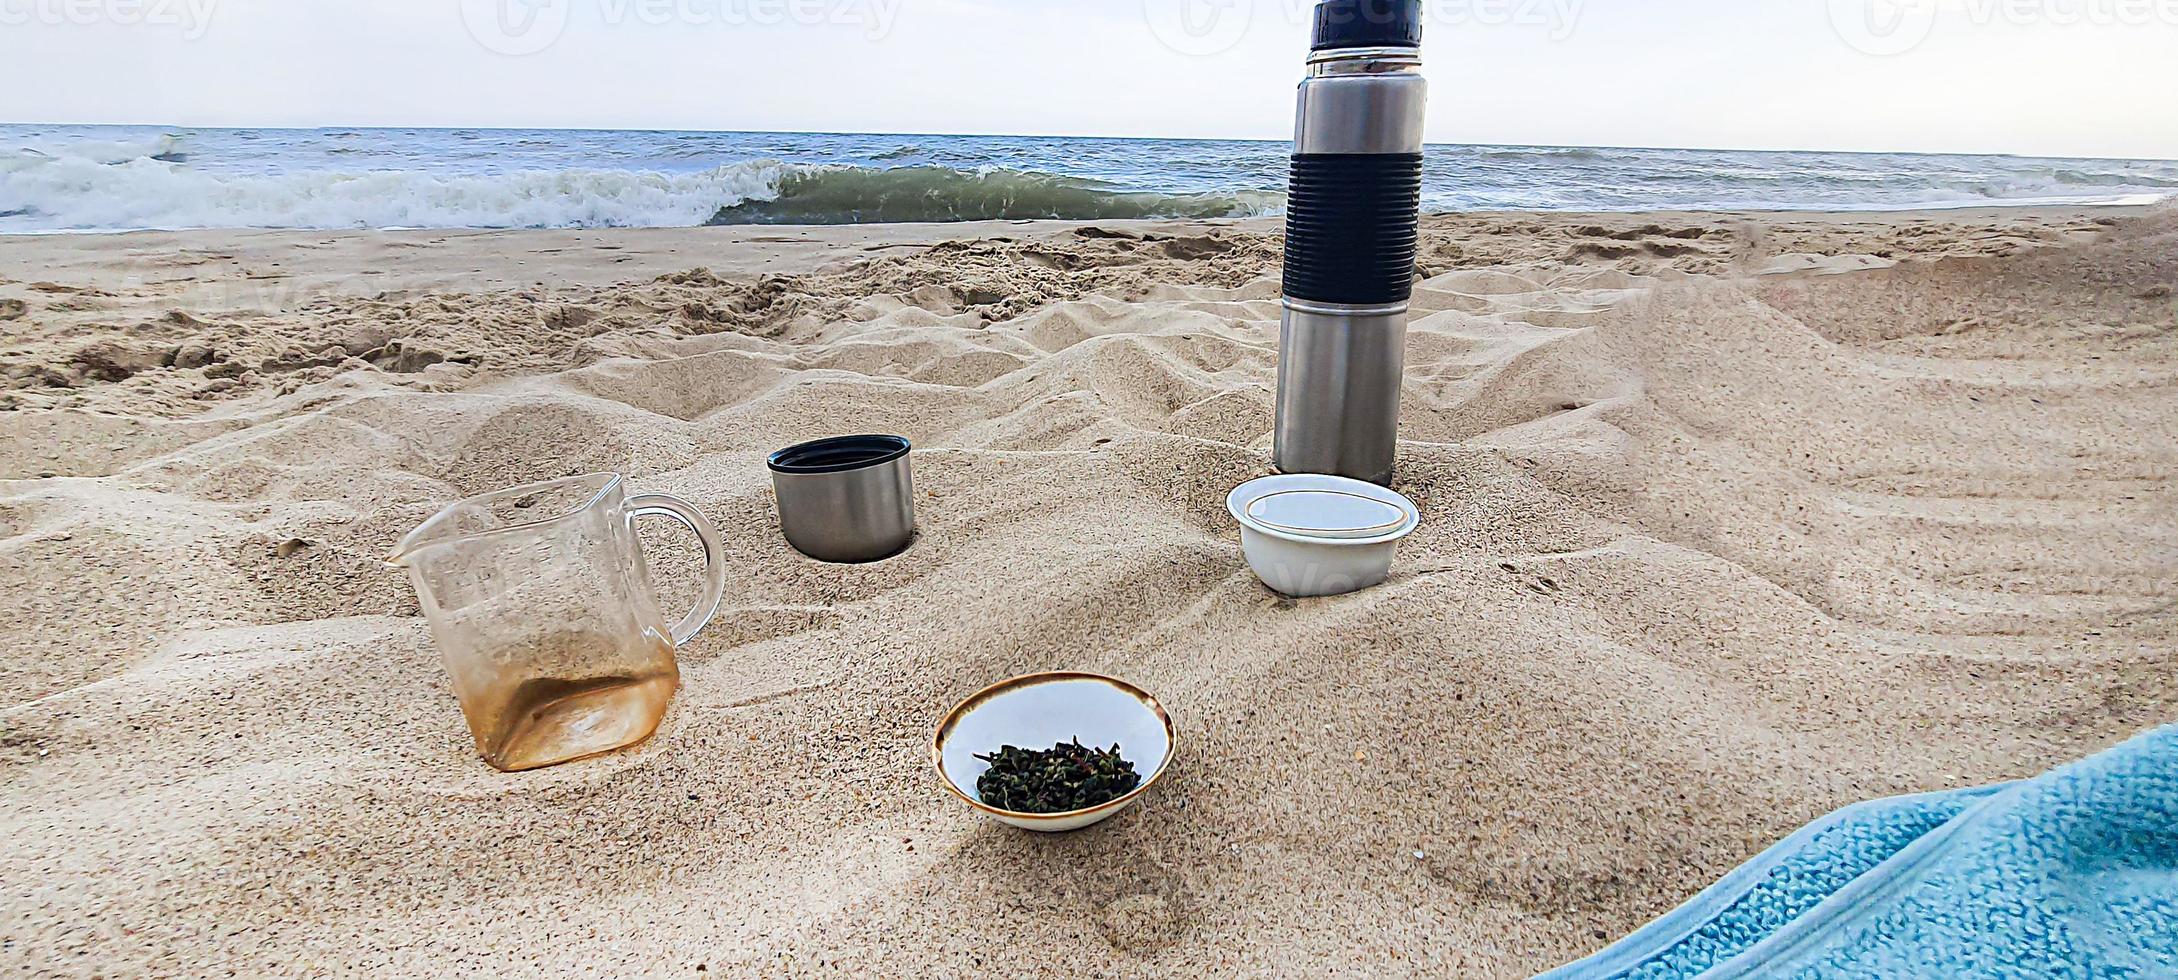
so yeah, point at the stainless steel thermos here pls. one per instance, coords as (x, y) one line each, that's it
(1352, 224)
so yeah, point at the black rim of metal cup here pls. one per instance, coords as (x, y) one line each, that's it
(839, 454)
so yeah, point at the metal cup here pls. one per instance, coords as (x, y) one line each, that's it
(846, 500)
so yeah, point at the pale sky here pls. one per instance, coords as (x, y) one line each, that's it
(2051, 77)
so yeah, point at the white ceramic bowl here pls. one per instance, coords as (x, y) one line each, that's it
(1307, 535)
(1042, 710)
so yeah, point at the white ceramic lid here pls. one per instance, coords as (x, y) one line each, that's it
(1334, 514)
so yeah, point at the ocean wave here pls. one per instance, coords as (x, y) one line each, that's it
(25, 153)
(2082, 178)
(851, 195)
(1546, 154)
(55, 179)
(80, 193)
(137, 185)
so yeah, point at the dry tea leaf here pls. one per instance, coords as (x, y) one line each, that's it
(1068, 777)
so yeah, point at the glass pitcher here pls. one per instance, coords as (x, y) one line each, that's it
(541, 605)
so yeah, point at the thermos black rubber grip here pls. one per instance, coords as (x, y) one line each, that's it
(1352, 227)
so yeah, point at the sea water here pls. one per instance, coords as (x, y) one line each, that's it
(103, 178)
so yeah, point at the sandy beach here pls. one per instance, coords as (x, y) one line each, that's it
(1729, 521)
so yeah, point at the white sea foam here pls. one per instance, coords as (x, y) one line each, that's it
(84, 192)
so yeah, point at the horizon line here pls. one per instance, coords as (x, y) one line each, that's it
(1078, 136)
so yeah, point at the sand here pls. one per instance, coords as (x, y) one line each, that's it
(1730, 520)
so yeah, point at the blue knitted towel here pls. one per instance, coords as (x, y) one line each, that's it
(2074, 874)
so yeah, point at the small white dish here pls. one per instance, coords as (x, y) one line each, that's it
(1308, 535)
(1042, 710)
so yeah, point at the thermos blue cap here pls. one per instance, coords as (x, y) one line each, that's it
(1368, 24)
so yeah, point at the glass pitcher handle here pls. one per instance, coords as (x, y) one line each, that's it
(714, 556)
